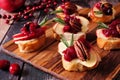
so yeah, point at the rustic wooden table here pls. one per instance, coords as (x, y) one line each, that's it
(29, 72)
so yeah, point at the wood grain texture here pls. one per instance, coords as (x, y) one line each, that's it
(88, 74)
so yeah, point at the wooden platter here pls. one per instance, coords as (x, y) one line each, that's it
(49, 60)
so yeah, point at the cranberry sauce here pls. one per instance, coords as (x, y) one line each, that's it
(113, 30)
(73, 24)
(69, 53)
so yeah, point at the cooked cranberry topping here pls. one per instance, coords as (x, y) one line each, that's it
(112, 31)
(69, 53)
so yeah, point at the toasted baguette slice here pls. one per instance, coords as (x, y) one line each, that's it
(77, 64)
(31, 45)
(108, 44)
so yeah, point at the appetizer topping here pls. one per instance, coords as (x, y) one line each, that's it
(80, 49)
(107, 8)
(70, 53)
(29, 31)
(102, 8)
(69, 8)
(111, 30)
(73, 24)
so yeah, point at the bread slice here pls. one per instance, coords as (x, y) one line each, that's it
(108, 44)
(77, 64)
(31, 45)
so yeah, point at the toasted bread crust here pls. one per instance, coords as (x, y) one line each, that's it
(108, 44)
(101, 19)
(31, 45)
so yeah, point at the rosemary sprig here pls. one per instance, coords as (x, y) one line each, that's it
(98, 12)
(59, 20)
(56, 11)
(102, 25)
(64, 41)
(43, 21)
(72, 39)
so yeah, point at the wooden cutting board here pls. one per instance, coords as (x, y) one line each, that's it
(49, 60)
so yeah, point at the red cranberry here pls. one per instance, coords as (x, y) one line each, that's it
(4, 64)
(4, 16)
(9, 16)
(14, 69)
(66, 28)
(7, 21)
(25, 17)
(70, 53)
(98, 5)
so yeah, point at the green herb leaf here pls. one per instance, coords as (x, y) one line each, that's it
(56, 11)
(98, 12)
(43, 21)
(102, 25)
(64, 41)
(72, 38)
(59, 20)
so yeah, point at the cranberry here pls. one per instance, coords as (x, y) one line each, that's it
(9, 17)
(4, 64)
(7, 21)
(4, 16)
(106, 32)
(98, 5)
(66, 28)
(70, 53)
(25, 17)
(14, 69)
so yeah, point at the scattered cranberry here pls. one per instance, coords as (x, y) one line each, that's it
(14, 69)
(7, 22)
(4, 16)
(4, 64)
(9, 17)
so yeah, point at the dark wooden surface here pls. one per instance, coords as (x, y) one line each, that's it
(29, 72)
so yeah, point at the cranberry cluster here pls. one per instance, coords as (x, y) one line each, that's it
(113, 29)
(28, 11)
(13, 68)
